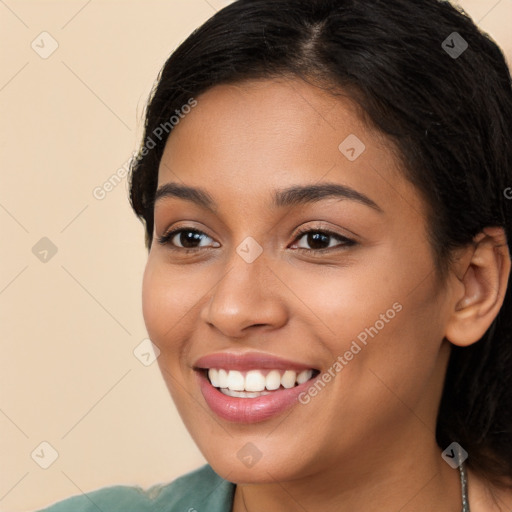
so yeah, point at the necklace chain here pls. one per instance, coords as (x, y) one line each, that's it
(464, 487)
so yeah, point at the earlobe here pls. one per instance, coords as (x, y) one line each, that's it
(484, 279)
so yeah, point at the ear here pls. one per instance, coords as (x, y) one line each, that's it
(482, 276)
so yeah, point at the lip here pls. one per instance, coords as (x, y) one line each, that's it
(248, 361)
(249, 410)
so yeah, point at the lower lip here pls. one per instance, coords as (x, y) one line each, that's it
(249, 410)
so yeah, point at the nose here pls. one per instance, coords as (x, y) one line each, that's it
(248, 296)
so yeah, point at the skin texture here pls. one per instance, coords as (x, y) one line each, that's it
(366, 441)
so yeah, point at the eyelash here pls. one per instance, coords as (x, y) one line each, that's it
(346, 242)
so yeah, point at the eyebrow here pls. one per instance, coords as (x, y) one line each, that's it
(297, 195)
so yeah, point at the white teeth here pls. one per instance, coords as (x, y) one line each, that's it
(236, 381)
(223, 378)
(244, 394)
(304, 376)
(288, 379)
(273, 380)
(214, 377)
(255, 382)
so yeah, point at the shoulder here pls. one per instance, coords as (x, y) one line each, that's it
(201, 489)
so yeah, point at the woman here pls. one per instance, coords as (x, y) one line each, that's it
(328, 271)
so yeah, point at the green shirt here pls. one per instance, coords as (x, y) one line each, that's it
(201, 490)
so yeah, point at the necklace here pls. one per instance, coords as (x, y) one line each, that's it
(464, 486)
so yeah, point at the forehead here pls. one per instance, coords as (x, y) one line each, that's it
(250, 137)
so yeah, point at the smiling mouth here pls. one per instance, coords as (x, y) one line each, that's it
(255, 383)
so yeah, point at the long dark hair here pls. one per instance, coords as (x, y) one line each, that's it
(443, 100)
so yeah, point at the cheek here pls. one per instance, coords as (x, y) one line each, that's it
(154, 309)
(383, 315)
(340, 302)
(166, 300)
(399, 362)
(166, 307)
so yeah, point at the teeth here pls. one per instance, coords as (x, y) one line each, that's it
(255, 382)
(244, 394)
(236, 381)
(273, 380)
(304, 376)
(223, 378)
(288, 379)
(214, 377)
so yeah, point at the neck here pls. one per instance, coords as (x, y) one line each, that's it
(407, 479)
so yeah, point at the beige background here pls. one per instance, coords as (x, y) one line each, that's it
(69, 325)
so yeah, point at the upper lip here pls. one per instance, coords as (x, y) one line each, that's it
(248, 361)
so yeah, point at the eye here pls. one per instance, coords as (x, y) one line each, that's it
(190, 239)
(185, 239)
(320, 240)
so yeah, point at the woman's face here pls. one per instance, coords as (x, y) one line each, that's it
(362, 306)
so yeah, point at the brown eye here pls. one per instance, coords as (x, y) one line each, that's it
(321, 240)
(185, 238)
